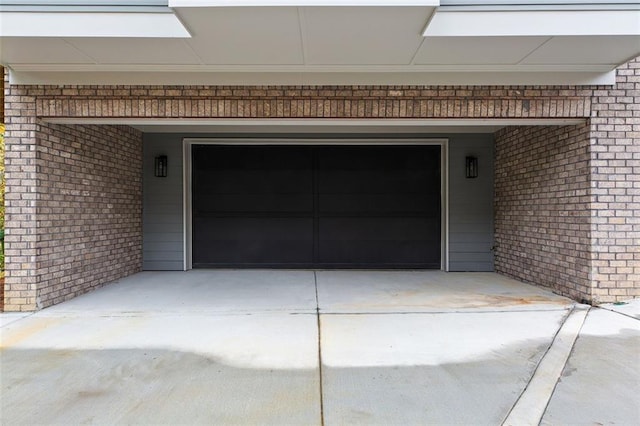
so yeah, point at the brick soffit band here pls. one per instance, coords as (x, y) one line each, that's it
(301, 102)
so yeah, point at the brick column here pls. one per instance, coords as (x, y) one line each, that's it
(615, 187)
(20, 201)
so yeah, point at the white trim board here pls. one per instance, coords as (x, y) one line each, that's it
(187, 143)
(207, 76)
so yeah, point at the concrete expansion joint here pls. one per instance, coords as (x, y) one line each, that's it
(7, 318)
(445, 312)
(532, 403)
(618, 312)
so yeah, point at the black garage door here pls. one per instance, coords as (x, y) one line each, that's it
(316, 206)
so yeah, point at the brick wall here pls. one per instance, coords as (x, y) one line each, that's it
(542, 216)
(568, 199)
(615, 188)
(1, 122)
(74, 207)
(1, 95)
(89, 208)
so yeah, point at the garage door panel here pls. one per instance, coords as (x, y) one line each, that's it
(372, 204)
(231, 253)
(256, 203)
(382, 157)
(408, 254)
(379, 228)
(253, 181)
(239, 157)
(252, 240)
(385, 241)
(347, 182)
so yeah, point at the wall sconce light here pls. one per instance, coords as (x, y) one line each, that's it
(471, 167)
(161, 166)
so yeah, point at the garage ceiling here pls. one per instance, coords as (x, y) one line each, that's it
(314, 42)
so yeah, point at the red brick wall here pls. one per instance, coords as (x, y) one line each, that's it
(542, 217)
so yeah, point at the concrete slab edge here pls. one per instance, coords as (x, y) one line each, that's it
(7, 318)
(629, 308)
(532, 403)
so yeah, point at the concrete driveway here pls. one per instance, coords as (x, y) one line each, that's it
(325, 347)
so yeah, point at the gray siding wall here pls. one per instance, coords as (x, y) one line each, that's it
(470, 204)
(163, 240)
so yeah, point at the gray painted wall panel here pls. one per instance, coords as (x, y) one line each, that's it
(167, 246)
(164, 236)
(464, 227)
(163, 240)
(471, 266)
(150, 265)
(160, 256)
(470, 247)
(470, 203)
(477, 257)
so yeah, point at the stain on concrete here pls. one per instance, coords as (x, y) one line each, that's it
(13, 334)
(415, 300)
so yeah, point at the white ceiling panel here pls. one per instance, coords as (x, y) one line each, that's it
(476, 50)
(40, 50)
(304, 44)
(534, 23)
(136, 51)
(611, 50)
(242, 36)
(363, 35)
(85, 24)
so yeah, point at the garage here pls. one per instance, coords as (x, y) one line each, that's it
(375, 206)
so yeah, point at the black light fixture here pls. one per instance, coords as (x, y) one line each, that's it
(471, 167)
(161, 166)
